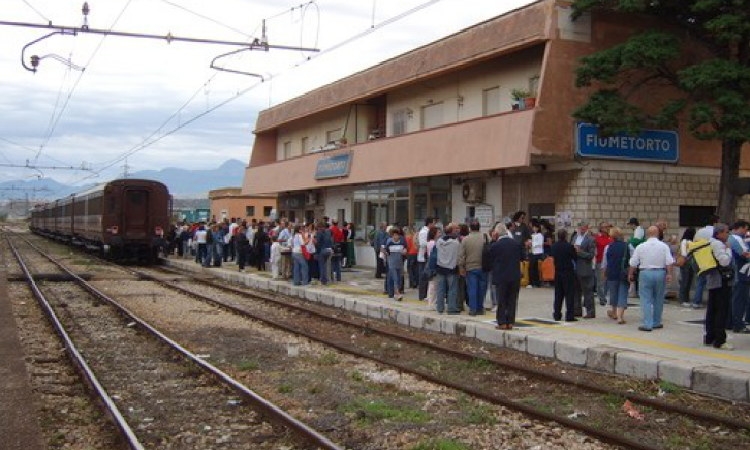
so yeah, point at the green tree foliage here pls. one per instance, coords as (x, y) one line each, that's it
(712, 91)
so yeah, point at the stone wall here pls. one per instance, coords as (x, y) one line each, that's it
(618, 193)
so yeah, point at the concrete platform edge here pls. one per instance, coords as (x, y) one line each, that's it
(721, 382)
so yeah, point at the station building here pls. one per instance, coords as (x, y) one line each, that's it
(437, 132)
(229, 203)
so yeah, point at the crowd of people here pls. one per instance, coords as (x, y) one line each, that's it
(299, 252)
(452, 267)
(455, 265)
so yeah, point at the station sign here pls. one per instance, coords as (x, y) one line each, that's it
(649, 145)
(333, 166)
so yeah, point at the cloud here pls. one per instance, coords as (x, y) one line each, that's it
(136, 90)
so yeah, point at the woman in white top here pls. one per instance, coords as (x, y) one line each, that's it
(686, 273)
(536, 254)
(432, 236)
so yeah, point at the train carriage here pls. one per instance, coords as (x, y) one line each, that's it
(124, 218)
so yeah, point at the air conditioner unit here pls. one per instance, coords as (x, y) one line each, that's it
(311, 199)
(473, 192)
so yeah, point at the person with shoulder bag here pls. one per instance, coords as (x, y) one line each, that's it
(719, 287)
(686, 272)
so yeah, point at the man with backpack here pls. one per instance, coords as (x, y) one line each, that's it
(470, 266)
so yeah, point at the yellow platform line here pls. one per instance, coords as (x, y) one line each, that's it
(663, 345)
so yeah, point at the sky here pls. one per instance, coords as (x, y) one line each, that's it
(149, 104)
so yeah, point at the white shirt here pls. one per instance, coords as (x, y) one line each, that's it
(422, 244)
(537, 244)
(638, 232)
(652, 254)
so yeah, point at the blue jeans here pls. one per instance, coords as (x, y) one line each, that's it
(446, 285)
(299, 269)
(336, 267)
(618, 293)
(393, 280)
(217, 252)
(700, 284)
(476, 285)
(200, 256)
(324, 256)
(651, 286)
(740, 300)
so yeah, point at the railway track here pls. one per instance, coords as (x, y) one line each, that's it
(599, 409)
(570, 400)
(158, 394)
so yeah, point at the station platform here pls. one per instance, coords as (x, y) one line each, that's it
(18, 405)
(674, 354)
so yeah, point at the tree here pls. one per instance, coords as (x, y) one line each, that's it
(712, 92)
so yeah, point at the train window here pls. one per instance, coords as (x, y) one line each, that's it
(136, 197)
(112, 204)
(95, 206)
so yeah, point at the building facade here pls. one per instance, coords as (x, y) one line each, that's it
(229, 203)
(437, 132)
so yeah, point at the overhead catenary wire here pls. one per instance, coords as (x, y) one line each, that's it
(151, 140)
(77, 82)
(36, 11)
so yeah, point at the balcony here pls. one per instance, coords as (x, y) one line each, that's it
(488, 143)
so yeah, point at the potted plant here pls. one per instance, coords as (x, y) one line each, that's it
(522, 99)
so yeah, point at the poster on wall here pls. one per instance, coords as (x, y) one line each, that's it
(564, 219)
(485, 215)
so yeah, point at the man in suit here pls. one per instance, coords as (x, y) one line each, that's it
(506, 275)
(564, 255)
(585, 246)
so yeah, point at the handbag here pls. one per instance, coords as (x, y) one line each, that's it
(679, 261)
(305, 253)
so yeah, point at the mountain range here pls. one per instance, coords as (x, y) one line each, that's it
(182, 183)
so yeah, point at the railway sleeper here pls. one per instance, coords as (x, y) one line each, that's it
(56, 277)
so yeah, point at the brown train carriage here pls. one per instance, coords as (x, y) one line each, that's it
(124, 218)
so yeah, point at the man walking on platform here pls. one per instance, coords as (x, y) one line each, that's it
(470, 266)
(654, 260)
(507, 254)
(564, 256)
(585, 246)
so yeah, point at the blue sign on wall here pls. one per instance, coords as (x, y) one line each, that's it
(333, 166)
(650, 145)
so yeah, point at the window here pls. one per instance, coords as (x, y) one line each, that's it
(432, 116)
(534, 85)
(541, 210)
(267, 211)
(333, 135)
(287, 149)
(304, 145)
(491, 101)
(399, 121)
(696, 216)
(249, 211)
